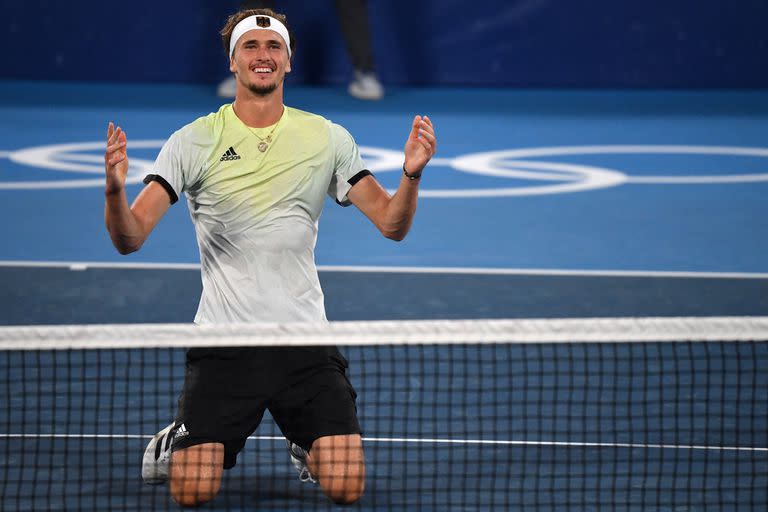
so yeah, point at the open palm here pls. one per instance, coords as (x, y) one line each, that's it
(115, 159)
(420, 146)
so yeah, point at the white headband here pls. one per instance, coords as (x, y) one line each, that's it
(254, 23)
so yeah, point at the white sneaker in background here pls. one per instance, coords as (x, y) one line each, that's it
(366, 86)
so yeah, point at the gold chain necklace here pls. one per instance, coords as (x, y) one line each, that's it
(264, 141)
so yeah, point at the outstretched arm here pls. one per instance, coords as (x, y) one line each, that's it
(393, 215)
(128, 226)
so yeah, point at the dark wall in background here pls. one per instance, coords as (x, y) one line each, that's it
(551, 43)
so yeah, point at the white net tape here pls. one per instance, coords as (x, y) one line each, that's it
(641, 329)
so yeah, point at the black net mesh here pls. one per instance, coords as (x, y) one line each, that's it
(504, 426)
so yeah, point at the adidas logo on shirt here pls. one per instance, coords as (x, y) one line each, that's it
(229, 155)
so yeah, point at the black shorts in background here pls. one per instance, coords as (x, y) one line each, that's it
(226, 391)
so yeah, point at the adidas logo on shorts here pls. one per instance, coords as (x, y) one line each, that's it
(229, 155)
(182, 430)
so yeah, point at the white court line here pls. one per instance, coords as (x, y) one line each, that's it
(84, 265)
(410, 440)
(688, 180)
(5, 154)
(544, 272)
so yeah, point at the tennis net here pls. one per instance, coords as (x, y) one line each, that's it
(619, 414)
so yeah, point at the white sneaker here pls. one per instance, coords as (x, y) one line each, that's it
(366, 86)
(157, 457)
(299, 460)
(227, 88)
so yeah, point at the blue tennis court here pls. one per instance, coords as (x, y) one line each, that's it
(577, 321)
(538, 205)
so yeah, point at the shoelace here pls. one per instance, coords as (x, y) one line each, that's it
(298, 454)
(306, 476)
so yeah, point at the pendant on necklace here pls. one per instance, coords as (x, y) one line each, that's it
(264, 144)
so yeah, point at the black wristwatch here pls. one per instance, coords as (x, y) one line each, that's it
(411, 176)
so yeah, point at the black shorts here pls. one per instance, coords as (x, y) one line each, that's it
(226, 391)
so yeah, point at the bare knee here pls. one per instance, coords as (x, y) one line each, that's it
(196, 474)
(339, 466)
(193, 494)
(344, 489)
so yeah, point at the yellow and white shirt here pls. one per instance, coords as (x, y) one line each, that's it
(255, 213)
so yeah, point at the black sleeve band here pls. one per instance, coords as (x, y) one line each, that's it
(353, 180)
(167, 186)
(357, 177)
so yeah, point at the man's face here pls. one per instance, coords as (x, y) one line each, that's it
(260, 61)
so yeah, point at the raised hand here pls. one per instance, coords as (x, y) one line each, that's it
(115, 159)
(420, 146)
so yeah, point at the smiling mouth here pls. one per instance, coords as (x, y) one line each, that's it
(262, 70)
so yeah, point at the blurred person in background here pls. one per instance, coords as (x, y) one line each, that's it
(353, 17)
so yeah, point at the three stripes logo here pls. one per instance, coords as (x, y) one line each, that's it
(229, 155)
(181, 431)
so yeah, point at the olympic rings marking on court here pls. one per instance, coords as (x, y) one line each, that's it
(65, 157)
(552, 177)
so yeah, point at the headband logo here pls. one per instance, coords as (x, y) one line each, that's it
(262, 22)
